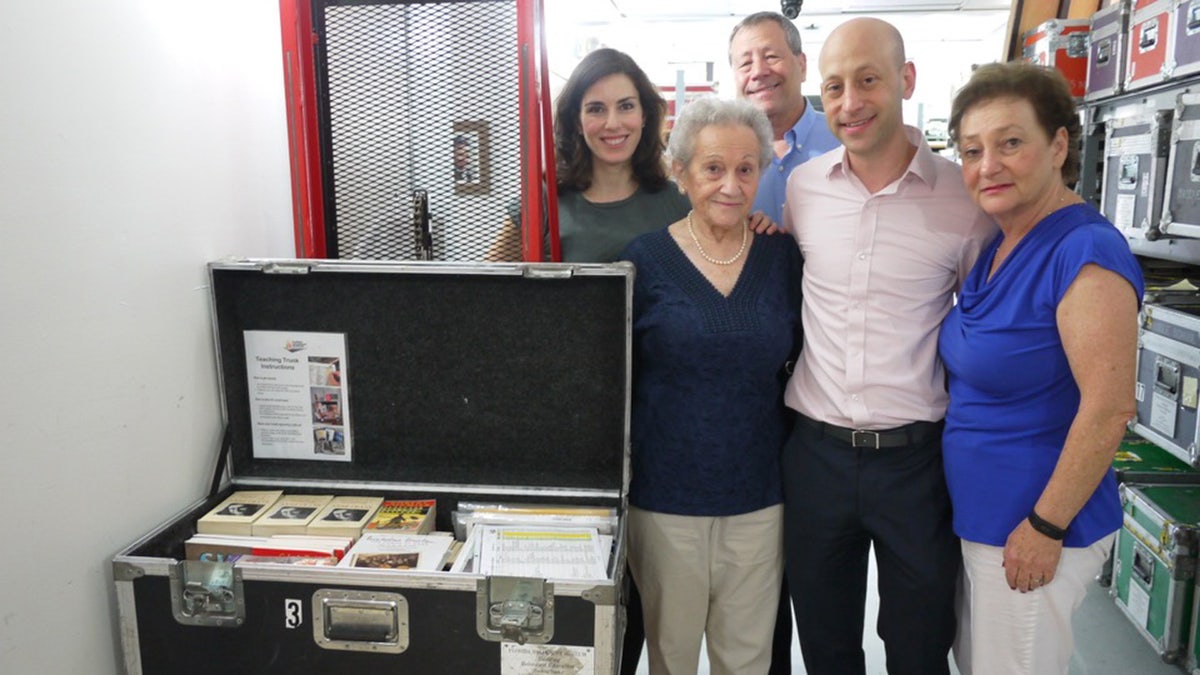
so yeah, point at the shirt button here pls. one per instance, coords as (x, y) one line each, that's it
(854, 397)
(862, 255)
(780, 169)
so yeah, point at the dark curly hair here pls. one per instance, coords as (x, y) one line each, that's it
(1045, 88)
(574, 159)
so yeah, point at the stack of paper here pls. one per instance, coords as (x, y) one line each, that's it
(543, 552)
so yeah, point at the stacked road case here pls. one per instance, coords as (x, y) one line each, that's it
(1155, 563)
(1106, 58)
(1168, 375)
(461, 382)
(1148, 54)
(1193, 652)
(1185, 46)
(1061, 44)
(1181, 212)
(1143, 63)
(1135, 151)
(1141, 462)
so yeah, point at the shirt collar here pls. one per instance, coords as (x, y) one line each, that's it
(802, 127)
(922, 166)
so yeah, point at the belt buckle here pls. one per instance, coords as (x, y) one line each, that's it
(861, 438)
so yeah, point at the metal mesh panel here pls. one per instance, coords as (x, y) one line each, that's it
(422, 97)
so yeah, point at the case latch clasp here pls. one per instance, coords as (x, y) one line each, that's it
(207, 594)
(515, 609)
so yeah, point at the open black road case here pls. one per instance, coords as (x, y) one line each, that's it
(458, 382)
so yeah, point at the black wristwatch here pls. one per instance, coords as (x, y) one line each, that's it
(1046, 527)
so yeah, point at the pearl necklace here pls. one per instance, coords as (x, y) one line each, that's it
(706, 256)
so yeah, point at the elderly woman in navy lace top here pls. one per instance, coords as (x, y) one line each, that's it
(716, 315)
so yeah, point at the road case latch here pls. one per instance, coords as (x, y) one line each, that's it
(207, 594)
(1179, 545)
(515, 609)
(288, 267)
(360, 621)
(552, 271)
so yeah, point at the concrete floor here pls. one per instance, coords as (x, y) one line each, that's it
(1106, 643)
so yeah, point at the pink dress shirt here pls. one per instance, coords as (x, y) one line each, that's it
(880, 273)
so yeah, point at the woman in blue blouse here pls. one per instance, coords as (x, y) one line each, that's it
(715, 316)
(1040, 351)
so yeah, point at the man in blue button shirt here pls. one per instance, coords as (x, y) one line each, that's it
(768, 67)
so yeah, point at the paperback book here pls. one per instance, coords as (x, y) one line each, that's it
(236, 515)
(380, 550)
(413, 516)
(229, 548)
(291, 514)
(344, 516)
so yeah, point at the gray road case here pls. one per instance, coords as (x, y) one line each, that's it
(1135, 159)
(1168, 377)
(1181, 212)
(1155, 563)
(1106, 51)
(499, 382)
(1185, 48)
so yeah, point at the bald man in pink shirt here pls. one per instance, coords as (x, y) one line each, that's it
(888, 233)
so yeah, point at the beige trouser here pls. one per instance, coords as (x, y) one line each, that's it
(1006, 632)
(711, 577)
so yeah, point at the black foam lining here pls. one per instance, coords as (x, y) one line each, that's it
(463, 378)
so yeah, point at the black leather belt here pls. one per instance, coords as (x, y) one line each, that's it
(916, 433)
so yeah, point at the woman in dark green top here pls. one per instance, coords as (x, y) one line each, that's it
(612, 181)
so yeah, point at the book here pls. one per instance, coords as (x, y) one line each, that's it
(452, 554)
(345, 516)
(236, 515)
(230, 547)
(467, 554)
(298, 561)
(302, 544)
(290, 514)
(415, 516)
(217, 548)
(399, 551)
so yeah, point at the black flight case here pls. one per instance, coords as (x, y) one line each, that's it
(502, 382)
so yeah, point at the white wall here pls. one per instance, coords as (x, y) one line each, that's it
(138, 140)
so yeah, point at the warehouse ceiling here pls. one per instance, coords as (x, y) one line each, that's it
(917, 20)
(809, 8)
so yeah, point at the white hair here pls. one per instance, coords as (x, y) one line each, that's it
(710, 111)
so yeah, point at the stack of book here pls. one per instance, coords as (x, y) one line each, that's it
(236, 548)
(264, 513)
(290, 514)
(344, 516)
